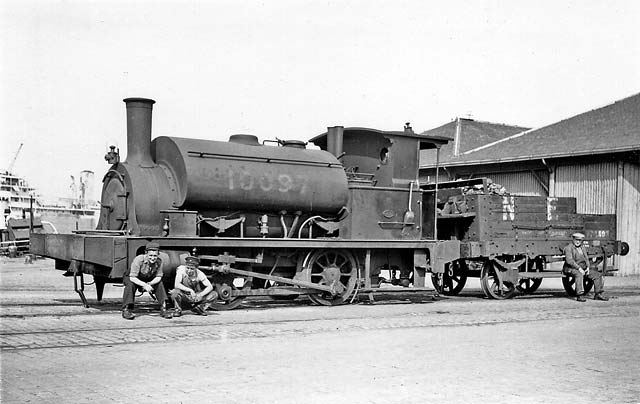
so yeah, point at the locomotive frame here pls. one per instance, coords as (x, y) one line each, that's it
(286, 221)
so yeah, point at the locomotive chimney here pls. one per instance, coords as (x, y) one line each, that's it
(334, 140)
(139, 131)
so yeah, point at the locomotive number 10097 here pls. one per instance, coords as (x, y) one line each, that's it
(284, 183)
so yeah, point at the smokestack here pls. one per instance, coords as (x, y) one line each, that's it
(334, 140)
(139, 131)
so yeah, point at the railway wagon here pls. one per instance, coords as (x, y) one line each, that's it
(266, 219)
(280, 219)
(513, 242)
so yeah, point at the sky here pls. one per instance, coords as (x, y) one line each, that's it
(291, 68)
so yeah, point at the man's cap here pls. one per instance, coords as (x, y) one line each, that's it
(192, 260)
(152, 246)
(578, 236)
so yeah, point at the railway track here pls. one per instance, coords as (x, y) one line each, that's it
(107, 329)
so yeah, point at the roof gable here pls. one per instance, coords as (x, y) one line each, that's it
(468, 134)
(612, 128)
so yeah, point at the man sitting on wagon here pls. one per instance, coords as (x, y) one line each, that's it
(576, 263)
(192, 288)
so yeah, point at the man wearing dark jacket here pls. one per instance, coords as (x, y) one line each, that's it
(576, 263)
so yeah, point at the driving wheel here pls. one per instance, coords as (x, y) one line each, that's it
(335, 268)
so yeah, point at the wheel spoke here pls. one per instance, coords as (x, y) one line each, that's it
(332, 266)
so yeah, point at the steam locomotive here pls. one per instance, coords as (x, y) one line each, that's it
(279, 219)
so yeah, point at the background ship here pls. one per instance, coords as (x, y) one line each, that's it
(65, 214)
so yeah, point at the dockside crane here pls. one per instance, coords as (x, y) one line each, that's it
(15, 157)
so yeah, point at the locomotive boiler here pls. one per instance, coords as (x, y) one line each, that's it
(282, 220)
(213, 180)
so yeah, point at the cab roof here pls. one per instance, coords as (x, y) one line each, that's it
(426, 141)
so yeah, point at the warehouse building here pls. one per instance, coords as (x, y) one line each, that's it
(593, 156)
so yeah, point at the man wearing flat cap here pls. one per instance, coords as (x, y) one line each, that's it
(578, 264)
(145, 273)
(192, 288)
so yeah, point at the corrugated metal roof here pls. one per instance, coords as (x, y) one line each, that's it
(469, 134)
(613, 128)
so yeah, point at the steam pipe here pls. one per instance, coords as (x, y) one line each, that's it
(139, 131)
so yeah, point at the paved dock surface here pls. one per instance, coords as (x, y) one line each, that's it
(405, 348)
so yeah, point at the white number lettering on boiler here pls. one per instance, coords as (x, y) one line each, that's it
(303, 183)
(266, 183)
(284, 183)
(246, 180)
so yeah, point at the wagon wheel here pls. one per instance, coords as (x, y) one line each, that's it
(332, 267)
(490, 285)
(453, 279)
(569, 283)
(236, 283)
(529, 285)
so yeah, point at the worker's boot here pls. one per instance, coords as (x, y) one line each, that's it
(600, 296)
(127, 314)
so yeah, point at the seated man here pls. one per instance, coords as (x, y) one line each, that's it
(192, 288)
(576, 263)
(145, 273)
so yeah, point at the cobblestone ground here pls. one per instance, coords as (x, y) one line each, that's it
(543, 348)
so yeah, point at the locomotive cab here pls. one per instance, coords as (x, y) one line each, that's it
(385, 199)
